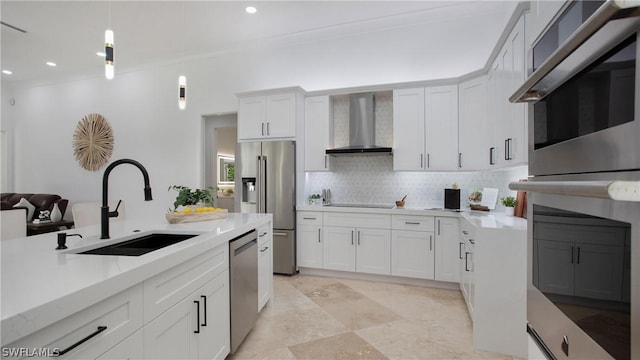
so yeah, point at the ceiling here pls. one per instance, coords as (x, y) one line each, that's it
(70, 33)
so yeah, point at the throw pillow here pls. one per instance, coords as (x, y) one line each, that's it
(26, 204)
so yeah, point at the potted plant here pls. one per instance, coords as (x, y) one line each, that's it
(509, 203)
(193, 198)
(314, 199)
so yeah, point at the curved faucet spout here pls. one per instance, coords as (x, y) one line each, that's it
(105, 214)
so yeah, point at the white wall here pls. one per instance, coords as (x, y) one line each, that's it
(7, 125)
(141, 105)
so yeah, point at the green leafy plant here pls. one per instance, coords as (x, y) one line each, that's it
(509, 201)
(186, 196)
(229, 191)
(313, 197)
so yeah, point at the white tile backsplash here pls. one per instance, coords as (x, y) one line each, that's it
(370, 179)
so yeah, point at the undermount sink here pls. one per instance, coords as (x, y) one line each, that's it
(140, 245)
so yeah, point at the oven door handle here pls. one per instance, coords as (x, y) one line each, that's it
(614, 190)
(610, 10)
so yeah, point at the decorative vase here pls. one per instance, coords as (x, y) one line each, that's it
(509, 210)
(56, 215)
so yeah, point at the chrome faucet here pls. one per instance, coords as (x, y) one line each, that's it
(105, 214)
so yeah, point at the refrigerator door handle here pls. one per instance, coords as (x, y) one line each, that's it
(263, 184)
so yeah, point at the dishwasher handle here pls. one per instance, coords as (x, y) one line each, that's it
(245, 247)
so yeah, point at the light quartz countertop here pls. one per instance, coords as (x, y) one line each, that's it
(41, 285)
(480, 219)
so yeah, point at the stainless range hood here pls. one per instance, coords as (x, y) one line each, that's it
(362, 130)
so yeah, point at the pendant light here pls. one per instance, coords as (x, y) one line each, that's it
(108, 49)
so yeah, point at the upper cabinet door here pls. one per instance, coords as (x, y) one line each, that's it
(271, 116)
(472, 122)
(318, 133)
(251, 117)
(441, 115)
(408, 130)
(281, 116)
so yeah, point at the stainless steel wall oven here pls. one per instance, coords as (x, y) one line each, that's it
(583, 195)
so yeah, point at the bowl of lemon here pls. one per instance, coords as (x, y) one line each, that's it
(192, 214)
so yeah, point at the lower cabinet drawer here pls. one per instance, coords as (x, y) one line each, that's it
(412, 222)
(166, 289)
(88, 333)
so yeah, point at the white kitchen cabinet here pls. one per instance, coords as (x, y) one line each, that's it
(409, 129)
(425, 128)
(441, 126)
(357, 249)
(95, 329)
(269, 115)
(309, 237)
(412, 246)
(446, 249)
(130, 348)
(508, 143)
(465, 256)
(265, 265)
(318, 133)
(357, 242)
(339, 250)
(472, 122)
(195, 328)
(412, 254)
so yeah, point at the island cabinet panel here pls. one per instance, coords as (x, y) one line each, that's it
(130, 348)
(265, 265)
(167, 288)
(195, 328)
(120, 315)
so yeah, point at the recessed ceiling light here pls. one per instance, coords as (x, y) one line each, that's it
(101, 54)
(250, 9)
(51, 63)
(8, 72)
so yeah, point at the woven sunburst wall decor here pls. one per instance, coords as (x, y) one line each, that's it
(92, 142)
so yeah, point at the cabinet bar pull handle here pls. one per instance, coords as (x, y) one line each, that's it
(318, 234)
(268, 131)
(263, 234)
(263, 129)
(460, 251)
(358, 237)
(325, 161)
(466, 261)
(572, 254)
(578, 262)
(506, 149)
(351, 237)
(459, 160)
(204, 302)
(412, 222)
(98, 331)
(308, 218)
(430, 242)
(465, 232)
(428, 160)
(438, 227)
(197, 330)
(421, 161)
(261, 250)
(492, 151)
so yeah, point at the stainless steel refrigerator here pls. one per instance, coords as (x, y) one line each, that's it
(268, 185)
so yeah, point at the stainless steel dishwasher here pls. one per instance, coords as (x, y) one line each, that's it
(243, 265)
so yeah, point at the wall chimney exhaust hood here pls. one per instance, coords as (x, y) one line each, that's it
(362, 130)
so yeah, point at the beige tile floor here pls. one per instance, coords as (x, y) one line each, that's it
(312, 317)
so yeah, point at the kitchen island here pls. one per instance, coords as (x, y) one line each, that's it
(46, 292)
